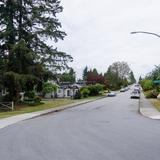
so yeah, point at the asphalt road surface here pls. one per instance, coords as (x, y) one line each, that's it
(107, 129)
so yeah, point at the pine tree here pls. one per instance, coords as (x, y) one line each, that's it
(68, 76)
(85, 73)
(132, 78)
(26, 26)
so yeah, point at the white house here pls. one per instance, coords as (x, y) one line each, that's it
(67, 90)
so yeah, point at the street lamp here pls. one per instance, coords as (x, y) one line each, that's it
(146, 33)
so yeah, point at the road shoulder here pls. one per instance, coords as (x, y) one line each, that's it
(147, 109)
(15, 119)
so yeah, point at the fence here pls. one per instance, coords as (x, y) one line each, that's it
(6, 106)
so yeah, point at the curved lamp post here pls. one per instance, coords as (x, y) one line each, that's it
(146, 33)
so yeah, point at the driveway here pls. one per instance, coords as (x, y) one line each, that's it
(107, 129)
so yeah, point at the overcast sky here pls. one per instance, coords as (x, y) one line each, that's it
(99, 33)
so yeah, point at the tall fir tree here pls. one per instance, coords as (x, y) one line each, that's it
(68, 76)
(26, 26)
(132, 78)
(85, 73)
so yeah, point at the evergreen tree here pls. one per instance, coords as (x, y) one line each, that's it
(68, 76)
(132, 78)
(140, 79)
(95, 73)
(85, 73)
(25, 28)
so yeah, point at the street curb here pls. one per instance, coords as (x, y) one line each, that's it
(145, 112)
(22, 117)
(61, 108)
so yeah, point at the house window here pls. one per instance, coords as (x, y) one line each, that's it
(60, 91)
(4, 92)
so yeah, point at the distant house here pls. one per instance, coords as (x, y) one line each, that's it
(67, 89)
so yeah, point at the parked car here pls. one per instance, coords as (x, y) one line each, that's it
(135, 94)
(122, 90)
(137, 85)
(127, 88)
(137, 89)
(111, 94)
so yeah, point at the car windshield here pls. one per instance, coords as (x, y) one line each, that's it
(134, 92)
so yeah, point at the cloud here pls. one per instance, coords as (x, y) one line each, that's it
(99, 33)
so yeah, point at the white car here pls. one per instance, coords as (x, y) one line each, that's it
(122, 90)
(111, 94)
(135, 94)
(137, 89)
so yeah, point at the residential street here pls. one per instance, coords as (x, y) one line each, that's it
(107, 129)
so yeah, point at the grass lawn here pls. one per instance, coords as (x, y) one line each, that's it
(21, 109)
(156, 103)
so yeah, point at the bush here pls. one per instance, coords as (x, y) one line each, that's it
(151, 94)
(33, 101)
(77, 95)
(6, 98)
(49, 88)
(147, 85)
(30, 94)
(84, 92)
(95, 89)
(155, 93)
(37, 99)
(31, 98)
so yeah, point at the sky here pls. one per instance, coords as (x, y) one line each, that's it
(98, 34)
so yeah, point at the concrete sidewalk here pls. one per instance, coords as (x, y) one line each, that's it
(15, 119)
(147, 109)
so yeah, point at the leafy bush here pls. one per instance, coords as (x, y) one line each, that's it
(155, 93)
(37, 99)
(77, 95)
(31, 98)
(33, 101)
(95, 89)
(49, 87)
(84, 92)
(147, 85)
(30, 94)
(6, 98)
(92, 90)
(151, 94)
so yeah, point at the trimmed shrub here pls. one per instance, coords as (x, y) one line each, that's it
(77, 95)
(30, 94)
(95, 89)
(31, 98)
(84, 92)
(37, 99)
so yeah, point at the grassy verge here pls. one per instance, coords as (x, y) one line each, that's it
(156, 103)
(21, 109)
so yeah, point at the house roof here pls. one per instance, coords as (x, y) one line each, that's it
(66, 85)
